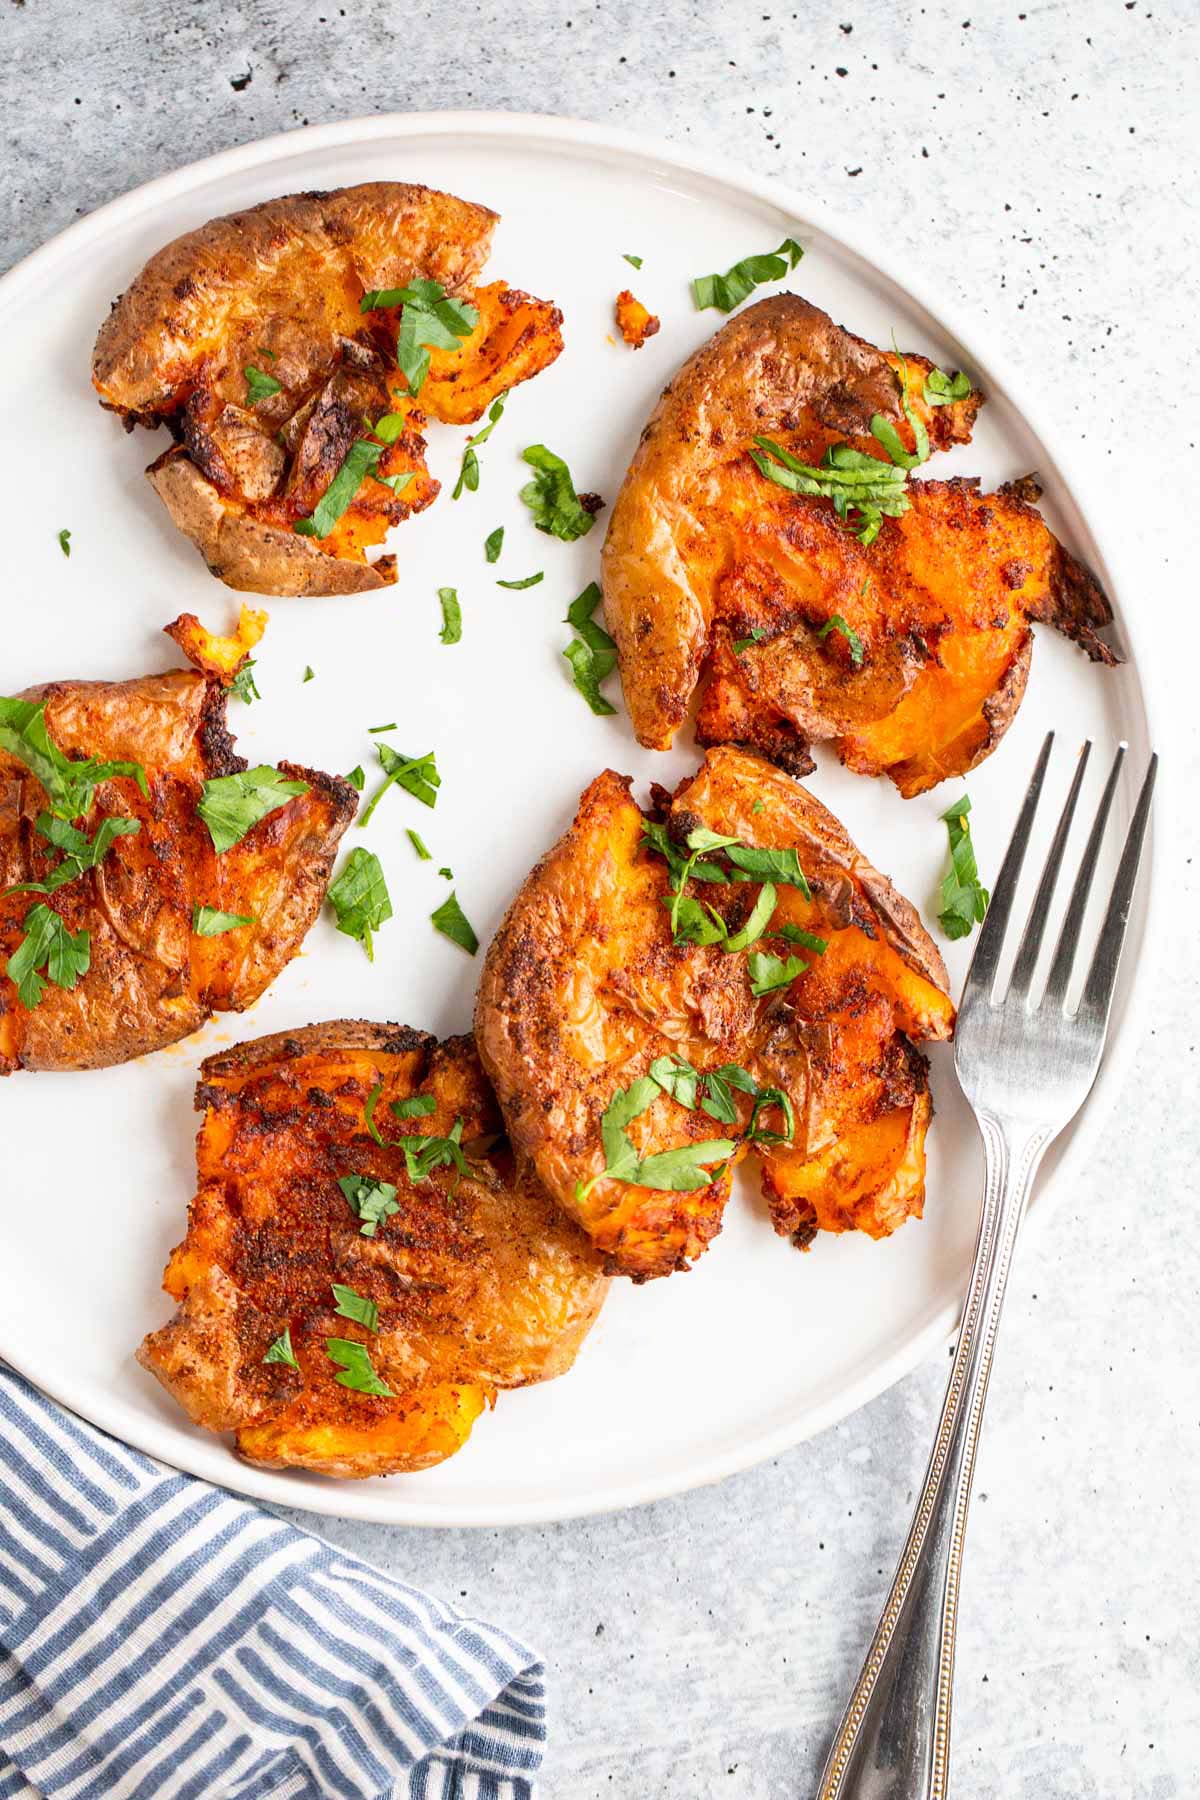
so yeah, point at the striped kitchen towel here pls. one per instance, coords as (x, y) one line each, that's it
(162, 1640)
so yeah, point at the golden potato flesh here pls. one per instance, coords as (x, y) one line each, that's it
(248, 339)
(470, 1283)
(909, 653)
(152, 979)
(584, 988)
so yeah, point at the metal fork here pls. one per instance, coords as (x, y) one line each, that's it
(1025, 1064)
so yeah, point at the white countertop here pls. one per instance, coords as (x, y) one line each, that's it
(1042, 167)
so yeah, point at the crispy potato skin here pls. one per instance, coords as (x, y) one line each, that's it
(702, 551)
(583, 987)
(151, 980)
(480, 1283)
(277, 288)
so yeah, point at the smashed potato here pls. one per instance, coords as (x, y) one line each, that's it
(447, 1289)
(588, 989)
(150, 978)
(910, 653)
(247, 339)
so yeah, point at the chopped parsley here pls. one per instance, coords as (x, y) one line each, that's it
(360, 899)
(741, 645)
(370, 1201)
(70, 786)
(231, 805)
(493, 543)
(356, 1368)
(451, 632)
(430, 320)
(259, 386)
(418, 775)
(551, 497)
(308, 675)
(356, 778)
(712, 1092)
(528, 581)
(242, 686)
(885, 431)
(673, 1171)
(964, 899)
(359, 462)
(635, 260)
(64, 541)
(943, 390)
(390, 427)
(374, 730)
(468, 475)
(453, 923)
(47, 944)
(79, 851)
(852, 480)
(417, 1106)
(208, 922)
(349, 1305)
(807, 940)
(280, 1349)
(418, 844)
(770, 972)
(414, 1107)
(592, 654)
(838, 624)
(724, 292)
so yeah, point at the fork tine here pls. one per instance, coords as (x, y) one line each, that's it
(1039, 912)
(984, 963)
(1102, 976)
(1068, 937)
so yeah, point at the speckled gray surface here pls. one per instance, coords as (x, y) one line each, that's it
(1042, 166)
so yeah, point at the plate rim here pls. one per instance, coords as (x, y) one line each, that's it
(213, 1460)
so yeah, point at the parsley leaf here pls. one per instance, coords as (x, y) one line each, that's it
(208, 922)
(768, 972)
(729, 290)
(371, 1201)
(528, 582)
(280, 1350)
(359, 462)
(943, 390)
(551, 496)
(453, 923)
(64, 542)
(242, 686)
(493, 543)
(674, 1171)
(47, 941)
(418, 844)
(838, 624)
(415, 1107)
(807, 940)
(468, 475)
(357, 1369)
(741, 645)
(758, 921)
(593, 654)
(964, 899)
(451, 632)
(309, 674)
(885, 431)
(350, 1305)
(70, 786)
(80, 851)
(431, 320)
(712, 1092)
(356, 778)
(418, 775)
(390, 427)
(635, 260)
(231, 805)
(259, 386)
(360, 899)
(782, 866)
(852, 480)
(422, 1155)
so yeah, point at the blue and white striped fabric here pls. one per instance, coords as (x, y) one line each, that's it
(162, 1640)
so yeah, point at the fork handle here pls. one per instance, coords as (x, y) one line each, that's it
(894, 1739)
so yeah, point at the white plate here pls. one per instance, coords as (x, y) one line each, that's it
(687, 1379)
